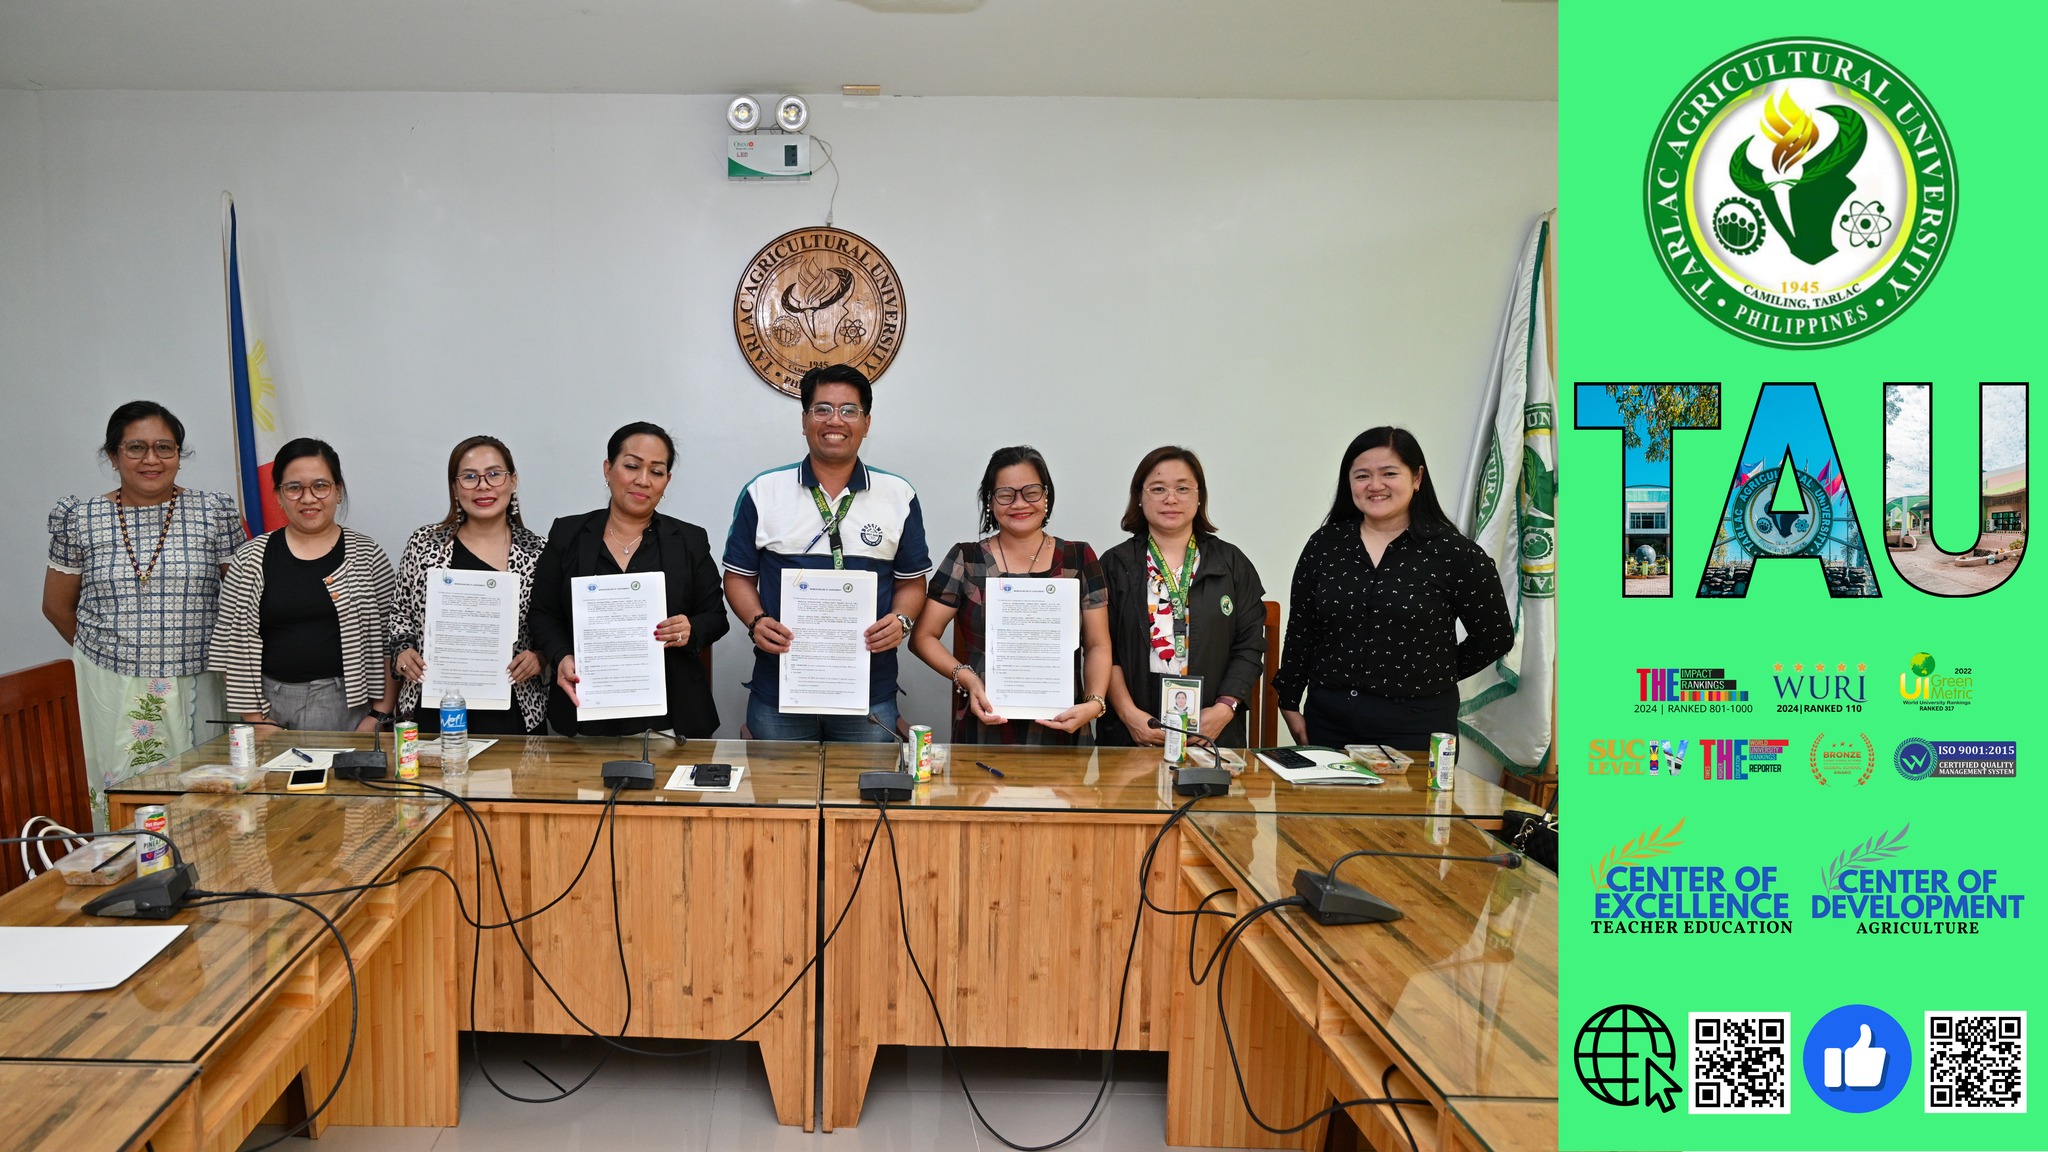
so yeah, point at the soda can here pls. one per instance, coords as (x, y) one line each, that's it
(1443, 760)
(405, 736)
(153, 854)
(242, 746)
(921, 751)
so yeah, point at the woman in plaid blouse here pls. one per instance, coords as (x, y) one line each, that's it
(1016, 504)
(132, 583)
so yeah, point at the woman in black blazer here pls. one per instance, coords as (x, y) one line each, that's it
(628, 535)
(1182, 602)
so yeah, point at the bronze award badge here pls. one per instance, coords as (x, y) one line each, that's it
(816, 297)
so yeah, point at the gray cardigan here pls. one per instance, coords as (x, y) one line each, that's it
(364, 593)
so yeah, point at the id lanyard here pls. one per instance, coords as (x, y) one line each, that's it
(1177, 591)
(832, 521)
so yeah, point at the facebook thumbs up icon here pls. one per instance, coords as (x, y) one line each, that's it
(1857, 1058)
(1864, 1064)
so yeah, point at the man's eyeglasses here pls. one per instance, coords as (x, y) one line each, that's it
(1178, 491)
(162, 450)
(1030, 494)
(491, 478)
(318, 489)
(843, 411)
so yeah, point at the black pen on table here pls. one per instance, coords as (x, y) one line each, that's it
(991, 771)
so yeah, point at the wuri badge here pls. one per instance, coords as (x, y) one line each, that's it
(1800, 193)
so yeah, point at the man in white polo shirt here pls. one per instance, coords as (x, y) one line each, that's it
(828, 510)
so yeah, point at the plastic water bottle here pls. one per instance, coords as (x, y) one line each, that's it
(454, 734)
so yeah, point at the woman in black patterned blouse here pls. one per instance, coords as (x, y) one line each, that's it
(1378, 593)
(482, 532)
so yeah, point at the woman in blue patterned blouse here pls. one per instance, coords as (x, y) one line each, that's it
(133, 578)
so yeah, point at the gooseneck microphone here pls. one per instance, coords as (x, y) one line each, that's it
(151, 897)
(888, 787)
(359, 765)
(1331, 901)
(1193, 781)
(624, 774)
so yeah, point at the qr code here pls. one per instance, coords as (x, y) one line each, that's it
(1738, 1062)
(1977, 1062)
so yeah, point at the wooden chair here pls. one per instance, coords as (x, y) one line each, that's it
(42, 755)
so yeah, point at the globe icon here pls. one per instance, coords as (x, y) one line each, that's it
(1609, 1047)
(1923, 664)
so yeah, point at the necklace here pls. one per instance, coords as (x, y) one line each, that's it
(627, 545)
(1003, 555)
(121, 513)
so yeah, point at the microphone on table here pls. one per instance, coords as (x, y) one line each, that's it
(1331, 901)
(883, 787)
(151, 897)
(625, 774)
(1192, 781)
(360, 765)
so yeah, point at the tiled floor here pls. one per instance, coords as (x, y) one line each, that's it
(719, 1100)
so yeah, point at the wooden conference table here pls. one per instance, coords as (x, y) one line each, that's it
(715, 890)
(1022, 888)
(1458, 997)
(253, 995)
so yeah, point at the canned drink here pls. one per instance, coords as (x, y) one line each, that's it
(1443, 760)
(242, 746)
(921, 751)
(153, 854)
(405, 737)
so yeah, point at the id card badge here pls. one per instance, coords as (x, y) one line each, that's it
(1180, 712)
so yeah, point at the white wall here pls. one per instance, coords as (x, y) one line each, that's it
(1259, 280)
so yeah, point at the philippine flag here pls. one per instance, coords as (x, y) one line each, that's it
(254, 396)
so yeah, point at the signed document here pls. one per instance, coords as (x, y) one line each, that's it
(471, 624)
(619, 666)
(1034, 628)
(827, 611)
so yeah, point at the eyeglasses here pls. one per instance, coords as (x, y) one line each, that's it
(487, 479)
(318, 489)
(843, 411)
(162, 450)
(1030, 494)
(1178, 491)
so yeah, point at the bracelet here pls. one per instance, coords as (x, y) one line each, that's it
(758, 617)
(954, 676)
(1230, 702)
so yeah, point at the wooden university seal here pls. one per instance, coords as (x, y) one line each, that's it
(816, 297)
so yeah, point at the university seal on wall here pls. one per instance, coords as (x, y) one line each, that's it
(815, 297)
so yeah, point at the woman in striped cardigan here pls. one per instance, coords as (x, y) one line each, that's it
(302, 637)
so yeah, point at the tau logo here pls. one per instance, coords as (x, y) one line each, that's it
(1800, 193)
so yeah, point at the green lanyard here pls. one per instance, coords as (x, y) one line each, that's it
(1177, 590)
(832, 522)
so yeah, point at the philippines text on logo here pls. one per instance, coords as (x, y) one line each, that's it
(1800, 192)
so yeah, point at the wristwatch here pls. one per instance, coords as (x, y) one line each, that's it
(381, 717)
(1231, 702)
(1102, 704)
(908, 624)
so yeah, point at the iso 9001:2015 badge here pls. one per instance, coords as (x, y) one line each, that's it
(1800, 193)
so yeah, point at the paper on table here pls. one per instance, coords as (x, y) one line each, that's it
(1330, 768)
(827, 612)
(317, 758)
(619, 670)
(1034, 626)
(78, 959)
(472, 621)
